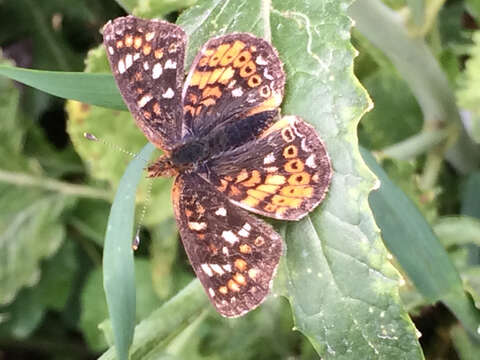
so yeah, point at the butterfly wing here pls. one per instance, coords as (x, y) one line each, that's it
(147, 61)
(283, 174)
(235, 77)
(234, 254)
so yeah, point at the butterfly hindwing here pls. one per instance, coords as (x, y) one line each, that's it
(233, 253)
(233, 77)
(147, 61)
(284, 173)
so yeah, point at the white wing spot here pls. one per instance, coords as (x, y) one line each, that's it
(227, 267)
(237, 92)
(260, 60)
(157, 71)
(270, 158)
(247, 226)
(170, 64)
(230, 237)
(225, 251)
(221, 212)
(206, 269)
(304, 145)
(128, 61)
(146, 66)
(217, 269)
(121, 66)
(168, 94)
(232, 83)
(136, 56)
(149, 36)
(271, 169)
(211, 292)
(197, 226)
(243, 233)
(311, 161)
(266, 75)
(110, 50)
(144, 100)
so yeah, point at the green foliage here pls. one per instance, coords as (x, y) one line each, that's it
(337, 286)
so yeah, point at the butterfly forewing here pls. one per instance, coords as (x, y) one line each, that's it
(234, 254)
(285, 176)
(233, 77)
(147, 61)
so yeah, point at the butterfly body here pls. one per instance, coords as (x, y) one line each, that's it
(225, 143)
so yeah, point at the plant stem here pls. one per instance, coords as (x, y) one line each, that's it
(20, 179)
(415, 145)
(415, 62)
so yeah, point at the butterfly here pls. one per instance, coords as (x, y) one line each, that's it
(223, 139)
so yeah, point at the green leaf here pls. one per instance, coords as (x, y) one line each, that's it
(118, 269)
(457, 230)
(466, 347)
(470, 197)
(159, 8)
(95, 89)
(468, 95)
(411, 240)
(155, 332)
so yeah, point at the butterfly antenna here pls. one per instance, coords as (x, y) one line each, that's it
(92, 137)
(136, 239)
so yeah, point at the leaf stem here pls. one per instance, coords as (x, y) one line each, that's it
(21, 179)
(417, 65)
(415, 145)
(267, 33)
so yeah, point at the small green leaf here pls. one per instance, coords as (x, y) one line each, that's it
(470, 197)
(467, 348)
(118, 269)
(457, 230)
(95, 89)
(411, 240)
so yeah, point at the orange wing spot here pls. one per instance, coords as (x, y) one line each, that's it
(192, 98)
(253, 273)
(203, 61)
(173, 47)
(158, 53)
(202, 79)
(198, 110)
(245, 249)
(297, 191)
(264, 90)
(138, 76)
(228, 178)
(218, 54)
(137, 42)
(271, 103)
(240, 264)
(250, 201)
(139, 91)
(188, 108)
(119, 44)
(234, 191)
(248, 69)
(257, 194)
(259, 241)
(215, 75)
(223, 290)
(290, 151)
(147, 49)
(299, 179)
(254, 81)
(271, 189)
(270, 208)
(226, 76)
(188, 212)
(286, 201)
(287, 134)
(147, 115)
(255, 179)
(232, 285)
(208, 102)
(223, 185)
(240, 279)
(201, 236)
(212, 248)
(242, 176)
(211, 91)
(232, 53)
(128, 40)
(275, 180)
(294, 166)
(242, 59)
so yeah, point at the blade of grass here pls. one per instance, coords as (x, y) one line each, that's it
(411, 240)
(94, 89)
(118, 267)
